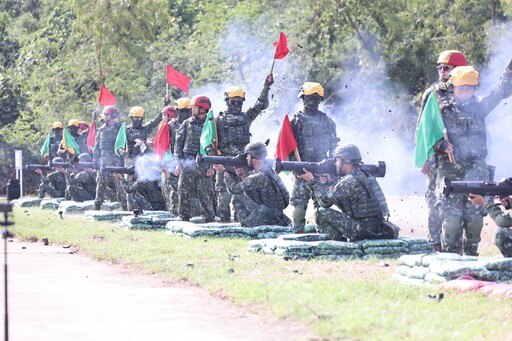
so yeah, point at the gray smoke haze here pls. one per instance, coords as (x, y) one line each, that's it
(371, 112)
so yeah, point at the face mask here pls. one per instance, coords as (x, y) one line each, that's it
(311, 103)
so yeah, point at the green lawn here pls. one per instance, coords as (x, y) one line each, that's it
(339, 300)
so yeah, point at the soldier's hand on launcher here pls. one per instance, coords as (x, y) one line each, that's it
(118, 176)
(308, 176)
(506, 202)
(210, 172)
(219, 168)
(179, 170)
(325, 178)
(241, 172)
(477, 199)
(38, 171)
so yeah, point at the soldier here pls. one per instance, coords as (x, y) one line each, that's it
(54, 183)
(503, 233)
(316, 139)
(233, 135)
(260, 198)
(83, 135)
(168, 113)
(142, 194)
(462, 155)
(73, 130)
(137, 135)
(104, 155)
(55, 140)
(81, 185)
(362, 204)
(446, 62)
(194, 179)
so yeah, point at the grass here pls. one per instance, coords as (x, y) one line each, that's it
(339, 300)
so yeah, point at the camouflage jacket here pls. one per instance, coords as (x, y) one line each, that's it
(501, 218)
(57, 180)
(103, 152)
(141, 133)
(174, 126)
(188, 138)
(82, 179)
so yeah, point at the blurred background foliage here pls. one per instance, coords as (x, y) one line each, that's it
(54, 55)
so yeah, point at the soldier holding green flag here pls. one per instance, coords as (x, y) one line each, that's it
(51, 144)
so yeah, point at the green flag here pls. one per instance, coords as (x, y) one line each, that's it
(209, 133)
(69, 143)
(430, 130)
(121, 139)
(45, 149)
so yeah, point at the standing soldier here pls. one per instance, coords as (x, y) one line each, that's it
(462, 154)
(233, 134)
(260, 197)
(83, 132)
(316, 139)
(54, 183)
(81, 185)
(446, 62)
(55, 140)
(168, 113)
(104, 155)
(194, 179)
(137, 135)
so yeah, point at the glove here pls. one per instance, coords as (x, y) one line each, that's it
(167, 101)
(269, 80)
(94, 115)
(446, 105)
(443, 144)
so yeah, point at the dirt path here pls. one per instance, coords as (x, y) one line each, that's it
(54, 295)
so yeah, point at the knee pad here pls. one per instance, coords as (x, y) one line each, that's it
(452, 227)
(474, 224)
(503, 240)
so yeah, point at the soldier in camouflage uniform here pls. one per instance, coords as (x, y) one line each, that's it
(361, 202)
(168, 113)
(137, 135)
(143, 195)
(73, 131)
(195, 180)
(233, 133)
(260, 198)
(503, 233)
(464, 118)
(104, 155)
(81, 185)
(55, 140)
(446, 62)
(54, 183)
(83, 136)
(316, 139)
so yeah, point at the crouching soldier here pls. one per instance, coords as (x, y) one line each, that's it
(260, 197)
(358, 196)
(81, 185)
(54, 183)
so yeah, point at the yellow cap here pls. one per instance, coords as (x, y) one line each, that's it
(57, 125)
(183, 103)
(74, 123)
(136, 112)
(464, 75)
(310, 88)
(234, 91)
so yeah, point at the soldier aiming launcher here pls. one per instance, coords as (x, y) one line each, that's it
(81, 165)
(501, 188)
(327, 166)
(235, 161)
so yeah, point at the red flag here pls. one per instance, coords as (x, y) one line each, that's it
(106, 97)
(162, 141)
(92, 136)
(177, 79)
(286, 141)
(281, 47)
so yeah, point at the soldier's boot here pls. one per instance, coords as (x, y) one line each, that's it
(97, 206)
(436, 248)
(470, 249)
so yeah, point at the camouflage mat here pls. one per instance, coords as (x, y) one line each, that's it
(149, 220)
(74, 207)
(112, 216)
(26, 202)
(442, 267)
(312, 245)
(225, 230)
(50, 204)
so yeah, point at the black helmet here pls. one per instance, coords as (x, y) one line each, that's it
(256, 149)
(348, 152)
(85, 157)
(57, 159)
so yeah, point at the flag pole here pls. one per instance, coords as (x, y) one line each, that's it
(296, 153)
(272, 68)
(166, 90)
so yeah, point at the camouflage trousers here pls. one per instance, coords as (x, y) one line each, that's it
(434, 222)
(503, 240)
(103, 183)
(223, 198)
(137, 201)
(79, 194)
(193, 182)
(340, 226)
(252, 214)
(462, 221)
(299, 199)
(46, 188)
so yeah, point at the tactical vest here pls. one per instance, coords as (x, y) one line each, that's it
(467, 132)
(174, 125)
(108, 136)
(375, 204)
(233, 133)
(314, 135)
(192, 142)
(131, 135)
(281, 196)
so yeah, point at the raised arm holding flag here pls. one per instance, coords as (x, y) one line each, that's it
(281, 49)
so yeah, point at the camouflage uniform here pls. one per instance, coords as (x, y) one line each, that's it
(443, 91)
(104, 155)
(465, 123)
(142, 132)
(361, 215)
(82, 142)
(81, 186)
(316, 138)
(144, 195)
(233, 133)
(54, 146)
(54, 184)
(260, 198)
(503, 234)
(193, 181)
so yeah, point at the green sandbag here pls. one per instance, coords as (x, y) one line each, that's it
(415, 272)
(383, 256)
(381, 250)
(336, 245)
(381, 242)
(410, 260)
(498, 263)
(454, 269)
(305, 237)
(26, 202)
(434, 278)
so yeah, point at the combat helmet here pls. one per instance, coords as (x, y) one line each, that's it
(202, 102)
(169, 110)
(85, 157)
(57, 159)
(110, 110)
(234, 91)
(452, 57)
(136, 112)
(348, 152)
(183, 103)
(256, 149)
(73, 123)
(310, 88)
(57, 125)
